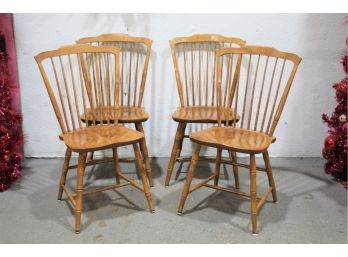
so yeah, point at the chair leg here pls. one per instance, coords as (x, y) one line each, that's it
(143, 148)
(270, 175)
(64, 172)
(79, 190)
(181, 141)
(90, 158)
(233, 157)
(140, 167)
(178, 137)
(253, 193)
(217, 166)
(116, 165)
(189, 178)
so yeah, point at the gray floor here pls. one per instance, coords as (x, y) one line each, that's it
(312, 208)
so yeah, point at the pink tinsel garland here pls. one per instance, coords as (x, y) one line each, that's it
(10, 129)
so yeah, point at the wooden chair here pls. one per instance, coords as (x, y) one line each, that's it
(73, 88)
(194, 65)
(134, 61)
(259, 90)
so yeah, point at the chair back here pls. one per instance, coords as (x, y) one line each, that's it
(257, 87)
(194, 64)
(78, 78)
(134, 62)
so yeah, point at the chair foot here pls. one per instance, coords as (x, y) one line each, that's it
(152, 186)
(152, 211)
(77, 231)
(145, 154)
(255, 234)
(59, 200)
(144, 178)
(253, 194)
(276, 202)
(179, 213)
(166, 186)
(190, 174)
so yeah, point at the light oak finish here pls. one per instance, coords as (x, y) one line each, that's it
(195, 71)
(230, 138)
(75, 78)
(100, 137)
(134, 62)
(201, 114)
(233, 157)
(259, 93)
(126, 115)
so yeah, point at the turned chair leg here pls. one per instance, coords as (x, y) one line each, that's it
(189, 178)
(217, 166)
(64, 172)
(253, 193)
(145, 154)
(79, 190)
(140, 166)
(270, 175)
(178, 137)
(233, 157)
(181, 141)
(116, 165)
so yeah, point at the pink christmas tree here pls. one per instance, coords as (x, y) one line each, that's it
(336, 144)
(10, 127)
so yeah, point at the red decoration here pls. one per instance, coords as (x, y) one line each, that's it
(10, 127)
(341, 89)
(345, 127)
(330, 142)
(336, 143)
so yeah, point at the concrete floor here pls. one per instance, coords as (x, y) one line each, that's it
(312, 208)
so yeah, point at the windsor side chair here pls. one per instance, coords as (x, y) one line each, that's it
(134, 62)
(259, 89)
(194, 65)
(72, 90)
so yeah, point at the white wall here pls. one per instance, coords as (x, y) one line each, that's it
(319, 39)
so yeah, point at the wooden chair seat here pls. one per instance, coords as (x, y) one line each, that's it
(202, 114)
(126, 115)
(237, 139)
(100, 137)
